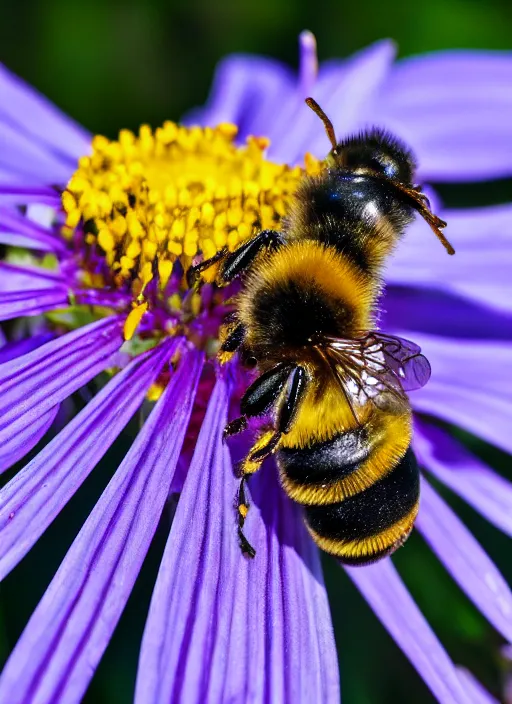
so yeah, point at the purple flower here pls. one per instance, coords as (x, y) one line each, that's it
(100, 287)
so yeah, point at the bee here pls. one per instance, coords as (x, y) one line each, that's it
(334, 388)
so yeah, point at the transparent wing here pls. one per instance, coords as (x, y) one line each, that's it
(376, 368)
(403, 358)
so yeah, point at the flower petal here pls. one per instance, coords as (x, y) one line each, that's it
(17, 446)
(39, 491)
(455, 109)
(465, 376)
(66, 636)
(11, 194)
(24, 157)
(14, 304)
(33, 384)
(467, 476)
(479, 271)
(19, 278)
(263, 97)
(17, 230)
(345, 91)
(387, 595)
(18, 348)
(271, 639)
(245, 91)
(477, 693)
(465, 559)
(436, 312)
(31, 113)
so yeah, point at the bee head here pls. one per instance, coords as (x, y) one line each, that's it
(375, 151)
(379, 154)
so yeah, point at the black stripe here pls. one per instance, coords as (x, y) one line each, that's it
(373, 510)
(325, 462)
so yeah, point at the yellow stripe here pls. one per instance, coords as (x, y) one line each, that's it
(373, 547)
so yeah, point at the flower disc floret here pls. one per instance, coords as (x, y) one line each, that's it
(145, 202)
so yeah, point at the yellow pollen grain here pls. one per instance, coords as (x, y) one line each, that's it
(154, 392)
(170, 194)
(133, 319)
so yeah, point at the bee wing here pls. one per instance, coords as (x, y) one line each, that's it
(377, 368)
(403, 358)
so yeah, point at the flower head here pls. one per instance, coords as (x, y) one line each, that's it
(108, 230)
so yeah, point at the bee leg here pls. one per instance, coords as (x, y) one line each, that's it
(242, 510)
(264, 392)
(286, 413)
(194, 271)
(241, 259)
(291, 401)
(238, 425)
(234, 337)
(257, 399)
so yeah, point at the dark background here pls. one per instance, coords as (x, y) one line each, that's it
(117, 64)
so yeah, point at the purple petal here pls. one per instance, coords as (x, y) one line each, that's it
(25, 157)
(477, 693)
(464, 378)
(262, 97)
(467, 476)
(345, 90)
(17, 278)
(18, 195)
(37, 494)
(18, 230)
(308, 62)
(18, 348)
(465, 559)
(15, 303)
(245, 91)
(441, 313)
(28, 111)
(222, 628)
(33, 384)
(480, 270)
(17, 446)
(387, 595)
(455, 109)
(57, 653)
(456, 404)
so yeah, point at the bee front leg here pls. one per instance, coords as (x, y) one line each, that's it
(194, 272)
(241, 259)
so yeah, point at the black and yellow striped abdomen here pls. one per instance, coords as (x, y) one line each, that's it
(360, 489)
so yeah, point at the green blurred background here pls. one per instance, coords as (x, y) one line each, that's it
(117, 64)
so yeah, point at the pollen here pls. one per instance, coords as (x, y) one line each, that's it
(145, 202)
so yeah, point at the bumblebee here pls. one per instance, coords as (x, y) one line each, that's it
(333, 387)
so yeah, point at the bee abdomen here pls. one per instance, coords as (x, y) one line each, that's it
(325, 462)
(373, 523)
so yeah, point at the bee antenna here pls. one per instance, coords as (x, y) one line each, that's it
(311, 103)
(420, 203)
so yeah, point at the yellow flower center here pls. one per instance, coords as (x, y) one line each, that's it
(146, 202)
